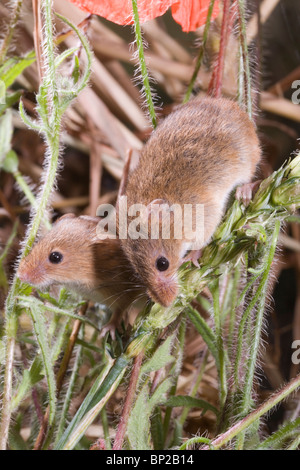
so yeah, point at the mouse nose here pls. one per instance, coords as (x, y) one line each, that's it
(30, 275)
(164, 293)
(24, 275)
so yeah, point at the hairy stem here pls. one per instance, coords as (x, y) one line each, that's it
(195, 387)
(215, 87)
(38, 211)
(60, 376)
(221, 357)
(29, 194)
(278, 437)
(178, 353)
(142, 62)
(245, 58)
(11, 328)
(227, 436)
(252, 361)
(121, 431)
(201, 53)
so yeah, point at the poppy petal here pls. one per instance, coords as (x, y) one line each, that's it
(120, 11)
(191, 14)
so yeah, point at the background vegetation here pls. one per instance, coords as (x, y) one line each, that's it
(216, 369)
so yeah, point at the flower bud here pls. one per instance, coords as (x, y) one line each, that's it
(138, 344)
(288, 193)
(294, 166)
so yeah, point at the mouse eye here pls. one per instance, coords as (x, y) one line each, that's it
(55, 257)
(162, 263)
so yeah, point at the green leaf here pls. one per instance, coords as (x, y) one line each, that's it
(205, 331)
(28, 301)
(71, 386)
(16, 441)
(6, 130)
(11, 162)
(196, 440)
(30, 378)
(86, 74)
(76, 69)
(191, 402)
(93, 403)
(42, 100)
(160, 392)
(27, 120)
(257, 231)
(2, 95)
(64, 55)
(8, 100)
(14, 67)
(59, 339)
(160, 358)
(157, 429)
(40, 330)
(288, 193)
(138, 429)
(277, 439)
(2, 352)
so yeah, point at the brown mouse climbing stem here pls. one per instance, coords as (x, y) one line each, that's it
(72, 255)
(195, 157)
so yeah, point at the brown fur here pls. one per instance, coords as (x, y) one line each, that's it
(96, 269)
(198, 155)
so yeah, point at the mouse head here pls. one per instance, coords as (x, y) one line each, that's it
(156, 254)
(60, 254)
(156, 263)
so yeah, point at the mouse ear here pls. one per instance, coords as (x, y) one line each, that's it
(157, 206)
(124, 179)
(89, 218)
(65, 216)
(160, 213)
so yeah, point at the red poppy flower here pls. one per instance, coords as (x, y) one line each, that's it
(190, 14)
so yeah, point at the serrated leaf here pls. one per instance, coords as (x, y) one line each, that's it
(191, 402)
(138, 429)
(160, 358)
(157, 429)
(161, 390)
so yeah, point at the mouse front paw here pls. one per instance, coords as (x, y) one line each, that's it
(193, 256)
(245, 192)
(112, 325)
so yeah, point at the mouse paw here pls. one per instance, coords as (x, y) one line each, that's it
(193, 256)
(244, 193)
(112, 325)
